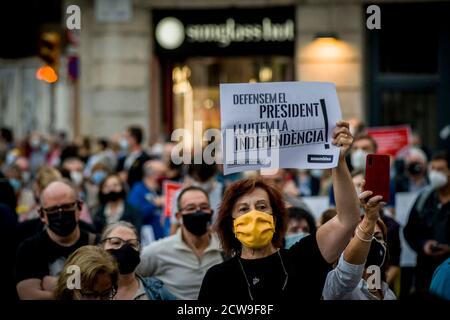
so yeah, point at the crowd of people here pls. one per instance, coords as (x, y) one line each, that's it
(86, 220)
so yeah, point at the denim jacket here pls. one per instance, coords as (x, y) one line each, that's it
(155, 290)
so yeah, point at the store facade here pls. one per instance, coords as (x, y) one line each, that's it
(129, 77)
(133, 73)
(199, 49)
(396, 75)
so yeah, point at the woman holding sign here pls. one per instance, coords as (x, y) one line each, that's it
(251, 224)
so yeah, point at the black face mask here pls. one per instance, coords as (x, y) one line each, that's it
(111, 196)
(127, 258)
(62, 223)
(377, 254)
(415, 168)
(197, 223)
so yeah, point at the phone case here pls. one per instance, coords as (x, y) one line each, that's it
(378, 175)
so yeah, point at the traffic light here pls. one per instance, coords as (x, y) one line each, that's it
(47, 74)
(50, 50)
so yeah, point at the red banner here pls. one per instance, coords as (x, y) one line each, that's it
(391, 140)
(170, 188)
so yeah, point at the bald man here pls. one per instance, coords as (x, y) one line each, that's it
(41, 257)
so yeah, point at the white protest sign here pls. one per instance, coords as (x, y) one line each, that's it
(317, 204)
(278, 125)
(404, 202)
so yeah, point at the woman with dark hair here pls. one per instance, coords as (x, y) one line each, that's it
(251, 224)
(113, 205)
(300, 224)
(360, 272)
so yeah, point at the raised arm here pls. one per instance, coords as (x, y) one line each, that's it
(346, 276)
(333, 236)
(358, 248)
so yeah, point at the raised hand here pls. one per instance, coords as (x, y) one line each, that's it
(342, 138)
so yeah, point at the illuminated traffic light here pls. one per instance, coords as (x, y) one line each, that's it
(49, 51)
(47, 74)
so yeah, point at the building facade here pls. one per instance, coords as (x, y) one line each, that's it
(124, 79)
(127, 76)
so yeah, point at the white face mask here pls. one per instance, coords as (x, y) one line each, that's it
(437, 179)
(123, 143)
(358, 159)
(76, 177)
(317, 173)
(35, 143)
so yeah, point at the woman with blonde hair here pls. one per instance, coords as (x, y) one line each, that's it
(90, 273)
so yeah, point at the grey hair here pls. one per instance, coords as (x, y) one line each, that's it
(414, 151)
(110, 228)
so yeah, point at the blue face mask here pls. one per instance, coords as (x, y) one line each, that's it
(45, 148)
(16, 184)
(26, 176)
(10, 158)
(292, 239)
(98, 176)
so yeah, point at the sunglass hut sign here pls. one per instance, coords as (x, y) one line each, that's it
(171, 33)
(231, 31)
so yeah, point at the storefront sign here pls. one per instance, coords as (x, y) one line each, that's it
(230, 31)
(278, 125)
(234, 31)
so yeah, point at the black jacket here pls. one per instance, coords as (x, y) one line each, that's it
(428, 220)
(131, 214)
(431, 222)
(136, 172)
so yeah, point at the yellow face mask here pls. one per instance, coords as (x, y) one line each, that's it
(254, 229)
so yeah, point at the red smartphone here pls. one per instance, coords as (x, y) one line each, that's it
(378, 175)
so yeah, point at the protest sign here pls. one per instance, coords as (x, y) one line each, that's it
(317, 205)
(278, 125)
(390, 140)
(404, 202)
(170, 188)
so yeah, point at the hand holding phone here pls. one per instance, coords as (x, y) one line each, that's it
(435, 247)
(378, 175)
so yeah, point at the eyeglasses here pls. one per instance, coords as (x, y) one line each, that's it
(105, 295)
(61, 208)
(117, 243)
(192, 208)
